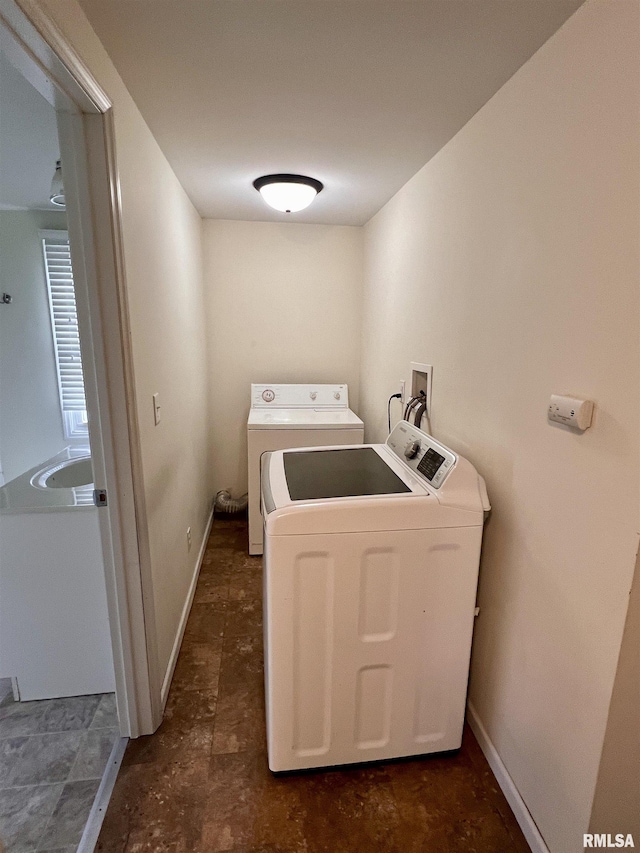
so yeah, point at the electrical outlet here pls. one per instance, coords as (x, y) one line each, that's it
(402, 384)
(188, 538)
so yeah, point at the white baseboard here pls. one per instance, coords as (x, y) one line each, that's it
(518, 806)
(175, 651)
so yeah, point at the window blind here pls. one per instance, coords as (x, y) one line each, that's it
(64, 322)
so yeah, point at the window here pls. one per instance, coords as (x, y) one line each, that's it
(64, 323)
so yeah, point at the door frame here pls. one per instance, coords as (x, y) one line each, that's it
(34, 44)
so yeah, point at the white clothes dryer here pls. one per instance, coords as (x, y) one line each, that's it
(284, 416)
(370, 576)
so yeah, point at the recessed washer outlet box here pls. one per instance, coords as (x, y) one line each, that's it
(421, 379)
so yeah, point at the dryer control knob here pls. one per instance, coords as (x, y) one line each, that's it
(411, 450)
(313, 395)
(268, 395)
(337, 395)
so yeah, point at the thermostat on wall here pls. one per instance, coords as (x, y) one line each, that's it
(570, 411)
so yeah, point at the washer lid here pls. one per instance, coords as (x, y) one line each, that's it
(339, 473)
(357, 493)
(376, 475)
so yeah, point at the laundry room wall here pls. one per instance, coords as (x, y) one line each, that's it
(284, 305)
(510, 263)
(163, 260)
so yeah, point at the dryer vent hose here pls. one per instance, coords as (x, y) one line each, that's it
(225, 503)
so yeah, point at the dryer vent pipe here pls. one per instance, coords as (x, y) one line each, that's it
(225, 503)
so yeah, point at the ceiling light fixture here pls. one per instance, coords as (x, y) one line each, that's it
(288, 193)
(56, 196)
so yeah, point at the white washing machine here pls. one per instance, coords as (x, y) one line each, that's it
(284, 416)
(371, 569)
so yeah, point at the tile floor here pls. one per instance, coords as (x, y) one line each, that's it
(52, 756)
(202, 784)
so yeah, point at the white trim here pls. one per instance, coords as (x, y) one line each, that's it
(27, 18)
(175, 651)
(129, 587)
(518, 806)
(103, 795)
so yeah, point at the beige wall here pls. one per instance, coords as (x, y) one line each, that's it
(616, 806)
(284, 305)
(510, 263)
(162, 244)
(30, 416)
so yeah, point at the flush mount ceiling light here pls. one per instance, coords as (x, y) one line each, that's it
(288, 193)
(56, 196)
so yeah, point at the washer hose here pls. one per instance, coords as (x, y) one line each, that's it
(225, 503)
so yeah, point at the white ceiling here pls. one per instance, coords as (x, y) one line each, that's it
(28, 143)
(357, 93)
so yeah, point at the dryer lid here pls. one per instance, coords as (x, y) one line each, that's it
(304, 418)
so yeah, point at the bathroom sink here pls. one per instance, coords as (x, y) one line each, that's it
(68, 474)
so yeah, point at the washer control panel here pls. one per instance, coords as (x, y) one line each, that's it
(299, 397)
(422, 453)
